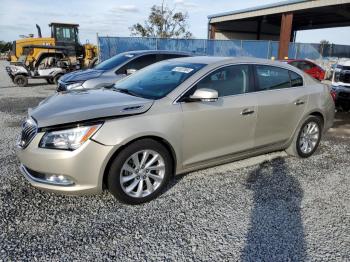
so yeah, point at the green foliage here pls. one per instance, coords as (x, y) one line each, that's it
(5, 46)
(324, 42)
(324, 47)
(163, 22)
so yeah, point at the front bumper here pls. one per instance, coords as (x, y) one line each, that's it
(342, 95)
(84, 167)
(9, 72)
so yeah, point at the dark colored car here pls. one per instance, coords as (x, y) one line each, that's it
(308, 67)
(111, 70)
(340, 90)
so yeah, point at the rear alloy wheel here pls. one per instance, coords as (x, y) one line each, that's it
(20, 80)
(140, 172)
(308, 138)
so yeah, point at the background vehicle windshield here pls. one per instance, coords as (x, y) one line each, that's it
(114, 61)
(158, 80)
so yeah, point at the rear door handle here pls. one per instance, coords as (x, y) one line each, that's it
(247, 111)
(299, 102)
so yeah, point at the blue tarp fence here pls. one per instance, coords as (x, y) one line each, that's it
(110, 46)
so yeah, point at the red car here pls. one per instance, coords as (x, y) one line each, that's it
(308, 67)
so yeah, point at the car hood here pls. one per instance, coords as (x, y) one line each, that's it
(72, 107)
(81, 75)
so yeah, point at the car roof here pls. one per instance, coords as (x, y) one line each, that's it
(227, 60)
(147, 52)
(295, 60)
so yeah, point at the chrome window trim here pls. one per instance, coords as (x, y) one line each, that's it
(176, 101)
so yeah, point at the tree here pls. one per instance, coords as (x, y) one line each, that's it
(324, 47)
(5, 46)
(163, 22)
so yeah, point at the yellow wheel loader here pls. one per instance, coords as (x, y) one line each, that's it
(50, 57)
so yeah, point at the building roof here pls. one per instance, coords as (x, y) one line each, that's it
(275, 8)
(260, 7)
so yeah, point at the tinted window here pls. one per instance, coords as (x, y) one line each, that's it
(305, 66)
(114, 61)
(295, 79)
(270, 77)
(65, 34)
(295, 63)
(343, 67)
(302, 65)
(230, 80)
(161, 57)
(138, 63)
(157, 80)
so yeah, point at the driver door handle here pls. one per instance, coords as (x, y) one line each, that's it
(299, 102)
(247, 111)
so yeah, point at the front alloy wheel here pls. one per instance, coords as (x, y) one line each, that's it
(140, 171)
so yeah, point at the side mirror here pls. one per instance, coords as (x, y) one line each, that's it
(130, 71)
(205, 95)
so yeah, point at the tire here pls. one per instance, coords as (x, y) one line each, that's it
(21, 80)
(56, 78)
(124, 177)
(49, 81)
(345, 107)
(299, 147)
(93, 62)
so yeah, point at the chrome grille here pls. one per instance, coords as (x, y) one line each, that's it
(29, 130)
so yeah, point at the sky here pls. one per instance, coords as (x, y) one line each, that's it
(114, 17)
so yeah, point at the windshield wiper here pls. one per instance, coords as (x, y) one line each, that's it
(126, 91)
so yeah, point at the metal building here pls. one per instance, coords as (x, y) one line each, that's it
(279, 21)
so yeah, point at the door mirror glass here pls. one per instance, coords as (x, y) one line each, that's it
(130, 71)
(205, 95)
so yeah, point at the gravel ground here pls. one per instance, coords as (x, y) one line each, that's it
(269, 208)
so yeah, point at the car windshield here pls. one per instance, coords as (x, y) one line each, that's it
(114, 61)
(157, 80)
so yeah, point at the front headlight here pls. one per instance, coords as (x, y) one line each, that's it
(68, 139)
(75, 86)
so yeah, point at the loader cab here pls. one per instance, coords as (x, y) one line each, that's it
(67, 35)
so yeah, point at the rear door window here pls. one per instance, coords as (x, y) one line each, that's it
(295, 79)
(271, 77)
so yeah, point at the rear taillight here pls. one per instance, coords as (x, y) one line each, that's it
(334, 95)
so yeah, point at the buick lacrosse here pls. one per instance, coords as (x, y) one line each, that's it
(169, 118)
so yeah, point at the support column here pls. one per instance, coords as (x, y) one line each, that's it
(258, 30)
(285, 35)
(212, 31)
